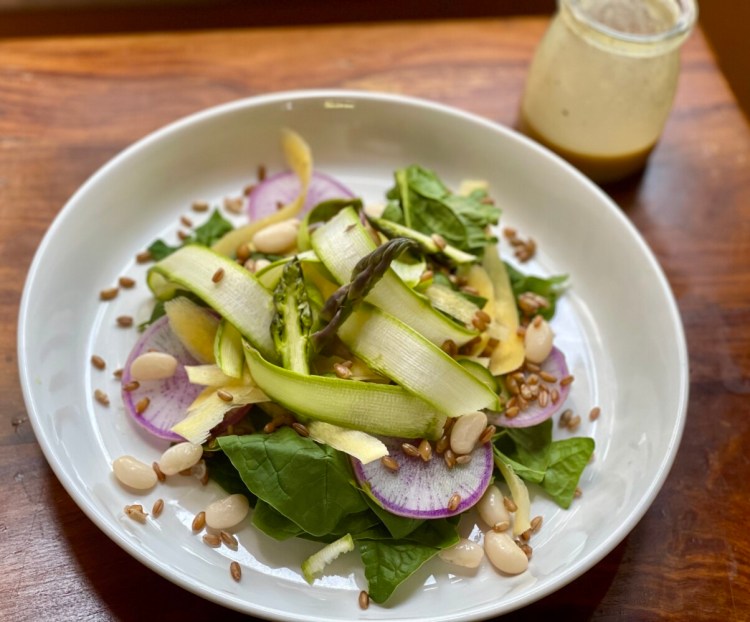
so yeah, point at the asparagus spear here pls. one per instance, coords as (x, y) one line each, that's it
(368, 271)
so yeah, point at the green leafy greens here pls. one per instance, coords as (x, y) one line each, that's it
(209, 232)
(550, 288)
(307, 490)
(421, 201)
(555, 465)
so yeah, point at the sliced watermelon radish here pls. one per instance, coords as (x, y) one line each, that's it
(420, 489)
(535, 414)
(283, 188)
(168, 399)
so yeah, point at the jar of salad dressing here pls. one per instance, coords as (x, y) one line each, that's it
(603, 79)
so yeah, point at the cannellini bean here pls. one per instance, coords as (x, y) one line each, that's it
(227, 512)
(504, 553)
(134, 473)
(180, 457)
(538, 341)
(260, 264)
(276, 238)
(465, 553)
(491, 508)
(375, 210)
(466, 432)
(153, 366)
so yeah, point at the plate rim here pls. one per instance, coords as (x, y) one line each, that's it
(566, 576)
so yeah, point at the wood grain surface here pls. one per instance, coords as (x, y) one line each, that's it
(67, 105)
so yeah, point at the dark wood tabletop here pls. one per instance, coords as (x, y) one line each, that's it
(67, 105)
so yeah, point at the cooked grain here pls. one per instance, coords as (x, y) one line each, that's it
(101, 397)
(159, 475)
(199, 522)
(454, 502)
(108, 294)
(364, 600)
(389, 462)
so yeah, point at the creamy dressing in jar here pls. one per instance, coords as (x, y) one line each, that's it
(602, 81)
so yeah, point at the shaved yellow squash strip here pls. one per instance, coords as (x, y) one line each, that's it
(501, 306)
(210, 410)
(362, 446)
(299, 158)
(194, 326)
(208, 375)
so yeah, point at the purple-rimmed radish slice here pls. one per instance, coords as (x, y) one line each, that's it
(283, 188)
(535, 414)
(157, 405)
(420, 489)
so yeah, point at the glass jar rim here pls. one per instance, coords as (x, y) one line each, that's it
(683, 25)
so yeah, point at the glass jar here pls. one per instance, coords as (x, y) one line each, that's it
(602, 81)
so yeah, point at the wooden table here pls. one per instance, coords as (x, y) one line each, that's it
(68, 105)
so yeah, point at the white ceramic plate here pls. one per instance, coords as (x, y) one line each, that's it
(618, 324)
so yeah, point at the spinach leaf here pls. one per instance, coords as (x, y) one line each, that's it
(440, 533)
(222, 471)
(209, 232)
(393, 211)
(397, 526)
(421, 201)
(535, 457)
(534, 473)
(159, 249)
(389, 563)
(212, 230)
(532, 448)
(355, 524)
(550, 288)
(567, 459)
(274, 523)
(308, 483)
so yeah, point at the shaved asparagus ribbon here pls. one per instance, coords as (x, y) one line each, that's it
(372, 408)
(299, 157)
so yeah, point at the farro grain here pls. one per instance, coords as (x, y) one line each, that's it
(109, 293)
(199, 522)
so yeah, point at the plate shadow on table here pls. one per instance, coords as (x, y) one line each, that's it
(116, 577)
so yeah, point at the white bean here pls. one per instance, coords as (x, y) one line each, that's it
(180, 457)
(227, 512)
(134, 473)
(504, 553)
(153, 366)
(491, 508)
(465, 553)
(260, 264)
(276, 238)
(538, 341)
(466, 432)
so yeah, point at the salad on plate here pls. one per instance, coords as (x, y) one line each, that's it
(363, 376)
